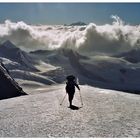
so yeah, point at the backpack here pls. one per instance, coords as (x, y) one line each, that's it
(70, 84)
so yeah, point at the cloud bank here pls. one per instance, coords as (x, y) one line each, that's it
(108, 38)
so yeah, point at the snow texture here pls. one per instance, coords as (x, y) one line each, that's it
(105, 113)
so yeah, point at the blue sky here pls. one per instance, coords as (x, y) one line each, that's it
(66, 13)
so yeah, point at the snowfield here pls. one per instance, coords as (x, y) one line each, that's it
(106, 113)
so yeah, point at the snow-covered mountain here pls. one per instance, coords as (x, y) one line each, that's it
(117, 72)
(112, 72)
(10, 51)
(132, 56)
(79, 23)
(22, 65)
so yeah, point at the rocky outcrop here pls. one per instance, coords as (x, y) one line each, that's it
(8, 86)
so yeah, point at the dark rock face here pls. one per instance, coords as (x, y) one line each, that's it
(8, 86)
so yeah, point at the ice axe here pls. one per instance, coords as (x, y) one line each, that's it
(63, 99)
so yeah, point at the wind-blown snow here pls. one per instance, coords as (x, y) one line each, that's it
(108, 38)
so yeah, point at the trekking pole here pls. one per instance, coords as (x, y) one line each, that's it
(63, 99)
(81, 98)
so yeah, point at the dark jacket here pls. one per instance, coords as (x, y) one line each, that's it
(70, 87)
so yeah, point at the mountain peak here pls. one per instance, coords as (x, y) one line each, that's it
(9, 44)
(79, 23)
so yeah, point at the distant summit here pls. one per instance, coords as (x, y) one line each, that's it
(10, 51)
(9, 44)
(79, 23)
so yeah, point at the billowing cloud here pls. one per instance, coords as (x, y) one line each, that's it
(106, 38)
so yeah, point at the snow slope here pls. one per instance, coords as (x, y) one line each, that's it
(106, 113)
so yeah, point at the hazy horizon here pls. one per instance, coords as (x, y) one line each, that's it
(67, 13)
